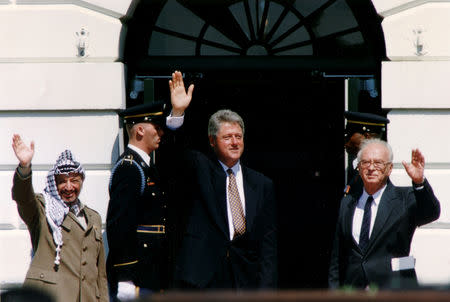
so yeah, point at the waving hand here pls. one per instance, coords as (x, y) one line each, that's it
(23, 152)
(179, 98)
(416, 168)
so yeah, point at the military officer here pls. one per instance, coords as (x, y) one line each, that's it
(137, 210)
(360, 126)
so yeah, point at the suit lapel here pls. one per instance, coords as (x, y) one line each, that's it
(348, 218)
(68, 221)
(219, 209)
(250, 193)
(71, 219)
(89, 220)
(150, 172)
(387, 204)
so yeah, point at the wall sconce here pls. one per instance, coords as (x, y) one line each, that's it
(82, 42)
(418, 41)
(137, 86)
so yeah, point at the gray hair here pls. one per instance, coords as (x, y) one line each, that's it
(377, 141)
(223, 116)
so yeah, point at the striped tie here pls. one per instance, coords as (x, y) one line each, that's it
(365, 226)
(235, 205)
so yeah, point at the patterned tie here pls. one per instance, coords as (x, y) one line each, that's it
(365, 226)
(235, 205)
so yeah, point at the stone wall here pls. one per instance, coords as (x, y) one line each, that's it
(415, 88)
(61, 84)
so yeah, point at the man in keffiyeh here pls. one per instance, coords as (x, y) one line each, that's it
(66, 235)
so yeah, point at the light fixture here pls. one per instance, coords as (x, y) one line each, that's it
(82, 42)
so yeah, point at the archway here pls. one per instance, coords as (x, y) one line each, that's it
(281, 64)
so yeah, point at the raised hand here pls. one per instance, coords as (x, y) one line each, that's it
(179, 98)
(416, 168)
(23, 153)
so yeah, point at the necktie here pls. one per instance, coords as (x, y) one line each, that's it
(235, 205)
(365, 226)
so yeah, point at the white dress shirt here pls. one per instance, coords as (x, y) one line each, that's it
(174, 122)
(240, 184)
(145, 157)
(359, 212)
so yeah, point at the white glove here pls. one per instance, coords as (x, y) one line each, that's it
(126, 291)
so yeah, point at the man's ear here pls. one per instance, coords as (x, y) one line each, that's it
(139, 130)
(390, 170)
(212, 141)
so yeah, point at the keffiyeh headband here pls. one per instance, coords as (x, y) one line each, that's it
(55, 208)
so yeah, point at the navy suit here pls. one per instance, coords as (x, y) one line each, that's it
(400, 212)
(250, 259)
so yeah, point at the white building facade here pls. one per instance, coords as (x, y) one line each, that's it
(62, 82)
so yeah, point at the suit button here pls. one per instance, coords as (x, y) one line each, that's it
(84, 248)
(83, 277)
(164, 219)
(41, 275)
(145, 244)
(84, 262)
(153, 194)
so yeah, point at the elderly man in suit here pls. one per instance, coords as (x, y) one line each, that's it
(230, 239)
(375, 227)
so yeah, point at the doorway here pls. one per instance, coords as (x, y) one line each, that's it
(294, 135)
(265, 59)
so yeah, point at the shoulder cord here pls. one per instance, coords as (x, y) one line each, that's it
(131, 162)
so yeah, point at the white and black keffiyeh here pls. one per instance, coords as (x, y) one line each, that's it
(55, 208)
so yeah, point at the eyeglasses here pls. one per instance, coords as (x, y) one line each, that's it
(377, 164)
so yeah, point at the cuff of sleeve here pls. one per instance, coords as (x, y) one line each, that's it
(419, 186)
(24, 172)
(174, 122)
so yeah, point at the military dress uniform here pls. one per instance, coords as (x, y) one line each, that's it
(136, 222)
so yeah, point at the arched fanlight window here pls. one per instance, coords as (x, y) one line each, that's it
(319, 34)
(255, 27)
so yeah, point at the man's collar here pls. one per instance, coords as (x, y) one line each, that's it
(235, 168)
(76, 207)
(145, 157)
(376, 196)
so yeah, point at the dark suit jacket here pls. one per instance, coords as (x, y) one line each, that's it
(400, 211)
(206, 243)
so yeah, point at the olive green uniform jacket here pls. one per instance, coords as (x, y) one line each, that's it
(81, 275)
